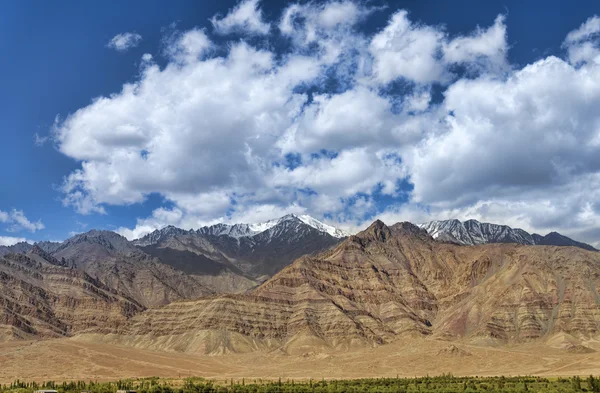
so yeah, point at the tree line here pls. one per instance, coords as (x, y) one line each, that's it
(438, 384)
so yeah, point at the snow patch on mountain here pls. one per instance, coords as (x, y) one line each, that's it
(318, 225)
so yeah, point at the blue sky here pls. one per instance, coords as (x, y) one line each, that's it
(407, 110)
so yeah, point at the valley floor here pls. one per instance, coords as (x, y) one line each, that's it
(69, 359)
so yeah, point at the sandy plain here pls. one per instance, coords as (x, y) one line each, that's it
(71, 359)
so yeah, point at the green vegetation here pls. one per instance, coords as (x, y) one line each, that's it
(440, 384)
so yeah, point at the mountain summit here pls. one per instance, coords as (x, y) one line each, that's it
(248, 251)
(242, 230)
(472, 232)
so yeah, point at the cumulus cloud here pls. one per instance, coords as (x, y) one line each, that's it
(328, 28)
(184, 47)
(407, 50)
(420, 53)
(246, 17)
(536, 129)
(306, 23)
(124, 41)
(343, 125)
(485, 48)
(17, 221)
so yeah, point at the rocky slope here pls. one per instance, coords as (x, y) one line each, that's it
(386, 283)
(472, 232)
(42, 297)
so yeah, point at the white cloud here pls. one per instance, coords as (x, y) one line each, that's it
(351, 172)
(337, 13)
(407, 50)
(232, 134)
(590, 28)
(330, 26)
(308, 22)
(160, 218)
(485, 49)
(246, 17)
(184, 48)
(17, 221)
(583, 52)
(39, 140)
(201, 126)
(124, 41)
(583, 44)
(536, 129)
(422, 54)
(9, 241)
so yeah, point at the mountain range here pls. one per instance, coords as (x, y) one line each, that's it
(104, 271)
(297, 285)
(472, 232)
(255, 251)
(383, 284)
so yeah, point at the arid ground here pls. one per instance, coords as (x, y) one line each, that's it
(66, 359)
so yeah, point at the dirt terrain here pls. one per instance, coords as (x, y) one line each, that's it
(66, 359)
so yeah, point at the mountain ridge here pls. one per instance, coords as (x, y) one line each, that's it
(385, 283)
(238, 230)
(372, 288)
(175, 264)
(472, 232)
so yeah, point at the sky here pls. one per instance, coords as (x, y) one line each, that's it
(130, 116)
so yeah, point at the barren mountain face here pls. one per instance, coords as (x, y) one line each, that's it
(386, 283)
(168, 265)
(43, 297)
(111, 259)
(373, 288)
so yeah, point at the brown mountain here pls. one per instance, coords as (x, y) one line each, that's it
(111, 259)
(42, 297)
(386, 283)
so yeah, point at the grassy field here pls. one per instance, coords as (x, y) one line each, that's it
(438, 384)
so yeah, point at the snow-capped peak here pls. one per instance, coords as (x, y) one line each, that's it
(473, 232)
(241, 230)
(320, 226)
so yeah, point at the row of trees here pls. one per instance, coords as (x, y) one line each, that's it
(439, 384)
